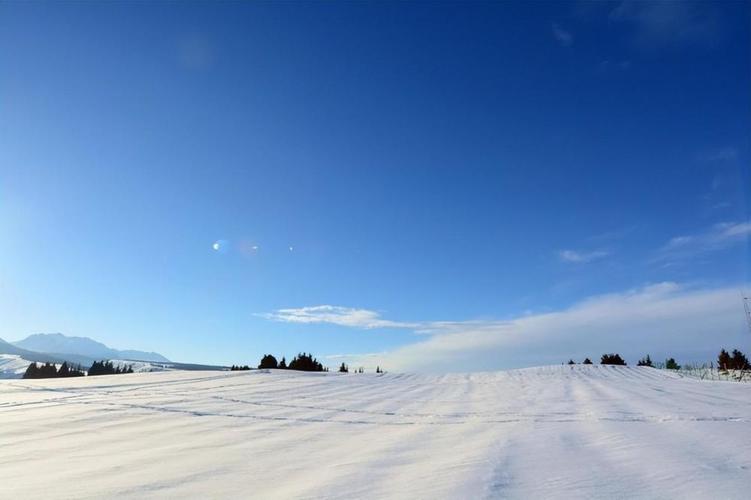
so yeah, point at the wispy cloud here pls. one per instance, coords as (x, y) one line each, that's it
(718, 237)
(661, 319)
(336, 315)
(576, 257)
(563, 37)
(664, 23)
(721, 155)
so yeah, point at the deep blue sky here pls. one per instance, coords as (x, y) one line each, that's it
(457, 162)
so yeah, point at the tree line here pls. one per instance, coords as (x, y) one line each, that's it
(302, 362)
(108, 368)
(50, 370)
(725, 361)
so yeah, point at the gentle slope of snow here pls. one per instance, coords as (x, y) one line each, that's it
(13, 366)
(565, 432)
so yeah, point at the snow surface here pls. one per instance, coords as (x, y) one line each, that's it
(549, 432)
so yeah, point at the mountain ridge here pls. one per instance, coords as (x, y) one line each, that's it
(59, 345)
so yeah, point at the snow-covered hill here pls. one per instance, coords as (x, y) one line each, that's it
(12, 365)
(550, 432)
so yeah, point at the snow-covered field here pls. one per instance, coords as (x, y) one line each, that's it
(559, 431)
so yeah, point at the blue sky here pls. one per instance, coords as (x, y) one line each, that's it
(461, 185)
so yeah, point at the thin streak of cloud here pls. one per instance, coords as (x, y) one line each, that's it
(336, 315)
(718, 237)
(576, 257)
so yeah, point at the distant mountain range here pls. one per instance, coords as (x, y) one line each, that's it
(56, 346)
(41, 357)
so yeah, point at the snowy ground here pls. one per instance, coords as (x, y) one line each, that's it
(603, 432)
(13, 366)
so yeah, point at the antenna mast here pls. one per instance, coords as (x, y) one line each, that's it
(747, 308)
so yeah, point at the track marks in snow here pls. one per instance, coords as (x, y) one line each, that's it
(555, 431)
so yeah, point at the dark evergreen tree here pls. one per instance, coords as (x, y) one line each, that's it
(268, 361)
(283, 364)
(612, 359)
(645, 362)
(343, 368)
(670, 364)
(724, 362)
(32, 371)
(48, 371)
(587, 361)
(108, 368)
(305, 362)
(739, 361)
(571, 362)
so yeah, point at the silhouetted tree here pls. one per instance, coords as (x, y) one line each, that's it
(283, 364)
(343, 368)
(571, 362)
(108, 368)
(645, 362)
(670, 364)
(268, 361)
(724, 362)
(48, 371)
(612, 359)
(587, 361)
(378, 369)
(739, 361)
(32, 371)
(305, 362)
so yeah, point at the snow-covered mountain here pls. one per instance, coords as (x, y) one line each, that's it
(60, 345)
(10, 349)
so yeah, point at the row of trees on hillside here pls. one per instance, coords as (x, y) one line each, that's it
(302, 362)
(109, 368)
(49, 370)
(344, 368)
(736, 361)
(725, 361)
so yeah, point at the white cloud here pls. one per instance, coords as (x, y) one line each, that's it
(718, 237)
(663, 320)
(564, 37)
(336, 315)
(574, 256)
